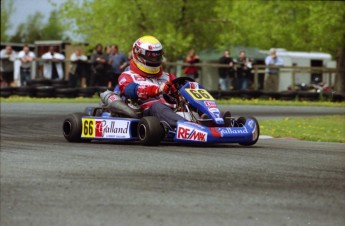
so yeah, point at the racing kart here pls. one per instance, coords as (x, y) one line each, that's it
(121, 120)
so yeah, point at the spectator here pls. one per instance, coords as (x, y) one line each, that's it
(7, 56)
(78, 70)
(191, 71)
(108, 68)
(243, 69)
(52, 66)
(118, 61)
(26, 58)
(272, 81)
(226, 73)
(98, 67)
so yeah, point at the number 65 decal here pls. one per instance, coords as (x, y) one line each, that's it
(199, 94)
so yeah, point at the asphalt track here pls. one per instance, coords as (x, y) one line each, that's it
(46, 181)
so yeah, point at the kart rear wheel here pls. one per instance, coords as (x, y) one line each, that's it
(72, 127)
(227, 118)
(242, 121)
(150, 131)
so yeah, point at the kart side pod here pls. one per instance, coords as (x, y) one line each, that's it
(116, 105)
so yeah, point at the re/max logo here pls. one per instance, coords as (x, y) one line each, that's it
(186, 133)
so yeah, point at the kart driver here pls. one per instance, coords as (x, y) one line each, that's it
(145, 81)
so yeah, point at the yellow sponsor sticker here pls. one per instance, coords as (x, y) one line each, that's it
(88, 127)
(199, 94)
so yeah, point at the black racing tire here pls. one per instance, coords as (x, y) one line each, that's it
(257, 132)
(150, 131)
(72, 126)
(226, 115)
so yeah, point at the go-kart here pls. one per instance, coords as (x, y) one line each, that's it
(120, 120)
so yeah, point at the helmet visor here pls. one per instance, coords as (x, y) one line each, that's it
(152, 58)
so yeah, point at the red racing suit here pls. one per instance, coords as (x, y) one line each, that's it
(144, 88)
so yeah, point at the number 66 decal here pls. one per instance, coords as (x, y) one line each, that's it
(199, 94)
(88, 127)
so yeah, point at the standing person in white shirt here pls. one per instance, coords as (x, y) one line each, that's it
(52, 67)
(78, 70)
(7, 56)
(272, 81)
(26, 58)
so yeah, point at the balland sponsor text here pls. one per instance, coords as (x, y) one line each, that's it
(112, 128)
(231, 131)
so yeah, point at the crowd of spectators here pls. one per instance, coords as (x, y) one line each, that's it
(238, 74)
(102, 68)
(105, 65)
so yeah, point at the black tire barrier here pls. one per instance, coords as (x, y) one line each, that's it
(66, 92)
(87, 92)
(215, 93)
(39, 82)
(6, 91)
(59, 83)
(101, 89)
(230, 94)
(25, 91)
(250, 94)
(338, 97)
(271, 95)
(288, 95)
(308, 96)
(45, 91)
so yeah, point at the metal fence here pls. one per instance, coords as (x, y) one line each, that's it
(289, 75)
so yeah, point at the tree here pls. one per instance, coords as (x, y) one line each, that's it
(294, 25)
(182, 24)
(34, 29)
(179, 24)
(53, 30)
(6, 12)
(30, 31)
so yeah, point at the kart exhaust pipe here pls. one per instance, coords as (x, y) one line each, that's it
(116, 105)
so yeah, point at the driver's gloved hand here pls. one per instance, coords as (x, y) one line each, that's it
(168, 88)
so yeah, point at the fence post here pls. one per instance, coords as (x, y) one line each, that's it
(293, 76)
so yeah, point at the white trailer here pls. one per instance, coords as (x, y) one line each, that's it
(304, 59)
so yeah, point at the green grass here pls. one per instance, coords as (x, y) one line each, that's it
(234, 101)
(326, 128)
(272, 102)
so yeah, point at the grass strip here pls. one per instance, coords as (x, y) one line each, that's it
(325, 128)
(234, 101)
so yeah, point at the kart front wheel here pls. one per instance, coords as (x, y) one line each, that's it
(256, 132)
(150, 131)
(72, 127)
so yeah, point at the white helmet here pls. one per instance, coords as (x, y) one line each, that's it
(148, 54)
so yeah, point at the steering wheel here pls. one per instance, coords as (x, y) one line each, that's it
(180, 81)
